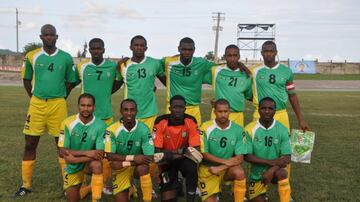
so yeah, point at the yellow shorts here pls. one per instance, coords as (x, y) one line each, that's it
(256, 189)
(45, 114)
(209, 184)
(193, 110)
(122, 179)
(73, 179)
(108, 121)
(237, 117)
(280, 115)
(149, 122)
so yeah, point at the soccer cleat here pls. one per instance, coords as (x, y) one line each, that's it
(22, 192)
(107, 190)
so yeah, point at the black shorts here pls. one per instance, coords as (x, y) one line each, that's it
(169, 173)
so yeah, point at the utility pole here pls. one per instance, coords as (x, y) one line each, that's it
(17, 31)
(217, 16)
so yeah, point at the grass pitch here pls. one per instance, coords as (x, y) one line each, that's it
(331, 176)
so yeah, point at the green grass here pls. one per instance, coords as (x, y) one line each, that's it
(327, 77)
(331, 176)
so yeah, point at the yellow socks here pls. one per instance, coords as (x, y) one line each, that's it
(146, 187)
(96, 186)
(106, 169)
(26, 173)
(239, 190)
(62, 165)
(284, 190)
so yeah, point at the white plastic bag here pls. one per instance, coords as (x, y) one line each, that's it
(302, 144)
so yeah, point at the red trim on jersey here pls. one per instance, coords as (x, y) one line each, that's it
(290, 86)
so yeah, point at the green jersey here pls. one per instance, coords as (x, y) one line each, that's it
(76, 135)
(232, 85)
(48, 73)
(223, 143)
(134, 142)
(269, 144)
(139, 81)
(98, 80)
(185, 80)
(276, 82)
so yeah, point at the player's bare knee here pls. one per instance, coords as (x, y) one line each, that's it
(30, 147)
(281, 174)
(142, 170)
(96, 166)
(238, 173)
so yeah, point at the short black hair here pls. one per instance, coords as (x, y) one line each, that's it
(267, 99)
(269, 43)
(221, 101)
(186, 40)
(232, 46)
(137, 37)
(47, 26)
(86, 95)
(98, 40)
(128, 100)
(177, 97)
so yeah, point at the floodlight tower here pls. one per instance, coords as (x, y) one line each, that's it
(251, 36)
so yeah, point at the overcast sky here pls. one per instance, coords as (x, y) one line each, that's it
(309, 29)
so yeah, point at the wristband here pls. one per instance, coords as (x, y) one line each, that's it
(126, 164)
(129, 158)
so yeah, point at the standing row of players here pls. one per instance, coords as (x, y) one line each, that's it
(49, 77)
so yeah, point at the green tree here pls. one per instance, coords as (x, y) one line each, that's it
(210, 56)
(31, 46)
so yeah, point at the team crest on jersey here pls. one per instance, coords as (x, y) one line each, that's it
(232, 142)
(108, 74)
(276, 141)
(183, 134)
(60, 67)
(137, 144)
(93, 137)
(196, 72)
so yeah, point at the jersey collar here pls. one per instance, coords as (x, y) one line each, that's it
(103, 62)
(192, 59)
(275, 67)
(228, 68)
(142, 61)
(56, 51)
(217, 126)
(271, 126)
(133, 129)
(92, 120)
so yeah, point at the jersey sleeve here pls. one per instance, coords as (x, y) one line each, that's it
(249, 91)
(120, 70)
(208, 65)
(194, 136)
(27, 70)
(70, 70)
(100, 139)
(249, 144)
(160, 71)
(290, 86)
(158, 135)
(285, 148)
(64, 137)
(207, 79)
(241, 143)
(147, 143)
(204, 141)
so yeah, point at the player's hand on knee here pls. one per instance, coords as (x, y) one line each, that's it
(267, 177)
(142, 159)
(115, 165)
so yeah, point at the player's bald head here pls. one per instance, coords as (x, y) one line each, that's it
(48, 26)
